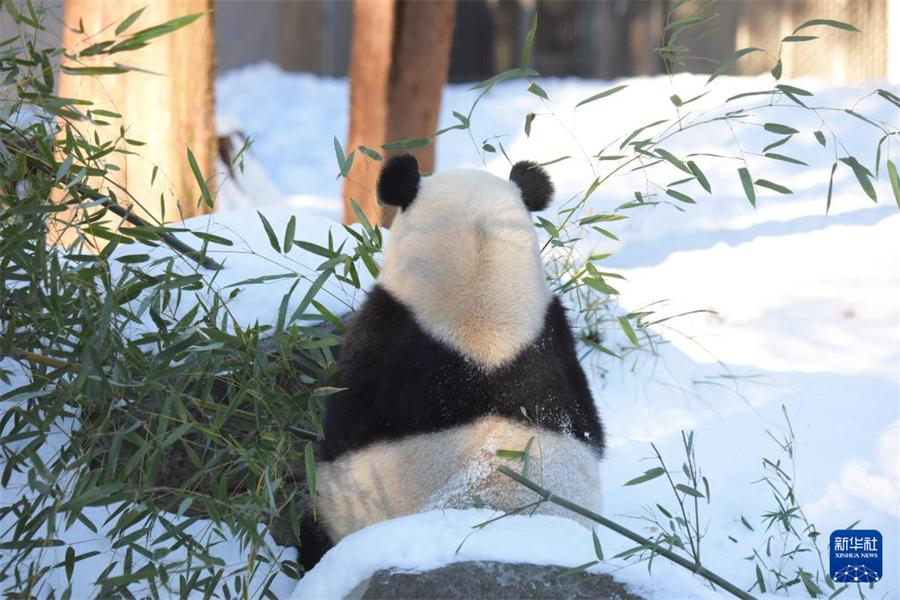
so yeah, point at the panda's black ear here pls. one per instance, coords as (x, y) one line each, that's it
(534, 183)
(398, 183)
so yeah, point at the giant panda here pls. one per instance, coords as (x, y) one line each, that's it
(458, 351)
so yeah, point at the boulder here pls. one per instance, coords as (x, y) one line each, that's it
(485, 579)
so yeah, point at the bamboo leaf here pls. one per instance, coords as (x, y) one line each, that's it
(773, 186)
(537, 91)
(786, 159)
(780, 129)
(701, 178)
(270, 233)
(204, 190)
(668, 156)
(309, 460)
(734, 57)
(648, 475)
(747, 183)
(129, 21)
(820, 137)
(410, 144)
(598, 550)
(689, 490)
(827, 23)
(830, 187)
(629, 331)
(602, 94)
(862, 175)
(680, 197)
(529, 40)
(289, 234)
(510, 74)
(895, 180)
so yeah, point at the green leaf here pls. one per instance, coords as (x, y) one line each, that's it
(215, 239)
(129, 21)
(344, 163)
(602, 94)
(289, 234)
(862, 175)
(773, 186)
(88, 71)
(510, 74)
(601, 286)
(793, 90)
(647, 476)
(598, 550)
(780, 129)
(309, 460)
(775, 144)
(812, 589)
(689, 490)
(701, 178)
(629, 331)
(784, 158)
(747, 182)
(537, 90)
(637, 131)
(827, 23)
(273, 239)
(776, 71)
(681, 197)
(371, 153)
(830, 187)
(892, 98)
(895, 181)
(575, 570)
(409, 144)
(820, 137)
(668, 156)
(690, 22)
(737, 55)
(800, 38)
(311, 293)
(528, 120)
(529, 40)
(549, 227)
(195, 168)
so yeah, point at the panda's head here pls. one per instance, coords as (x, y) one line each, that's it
(464, 258)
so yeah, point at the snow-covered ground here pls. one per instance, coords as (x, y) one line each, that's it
(807, 309)
(807, 316)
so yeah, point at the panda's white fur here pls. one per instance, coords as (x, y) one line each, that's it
(465, 259)
(448, 468)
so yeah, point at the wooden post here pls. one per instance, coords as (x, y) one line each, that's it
(170, 112)
(398, 69)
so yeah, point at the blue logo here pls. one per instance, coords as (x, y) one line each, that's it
(856, 556)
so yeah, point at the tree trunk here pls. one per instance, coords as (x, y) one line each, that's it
(398, 69)
(170, 111)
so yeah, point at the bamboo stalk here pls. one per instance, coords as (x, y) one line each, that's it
(694, 567)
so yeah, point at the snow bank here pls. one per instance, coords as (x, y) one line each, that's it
(433, 539)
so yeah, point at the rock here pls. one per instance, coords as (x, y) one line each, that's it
(493, 580)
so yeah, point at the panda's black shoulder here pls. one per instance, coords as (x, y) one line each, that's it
(400, 381)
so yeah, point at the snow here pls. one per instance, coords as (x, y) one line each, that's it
(433, 539)
(807, 317)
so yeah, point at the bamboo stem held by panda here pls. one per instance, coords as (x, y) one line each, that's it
(696, 568)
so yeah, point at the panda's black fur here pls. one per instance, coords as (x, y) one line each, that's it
(400, 381)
